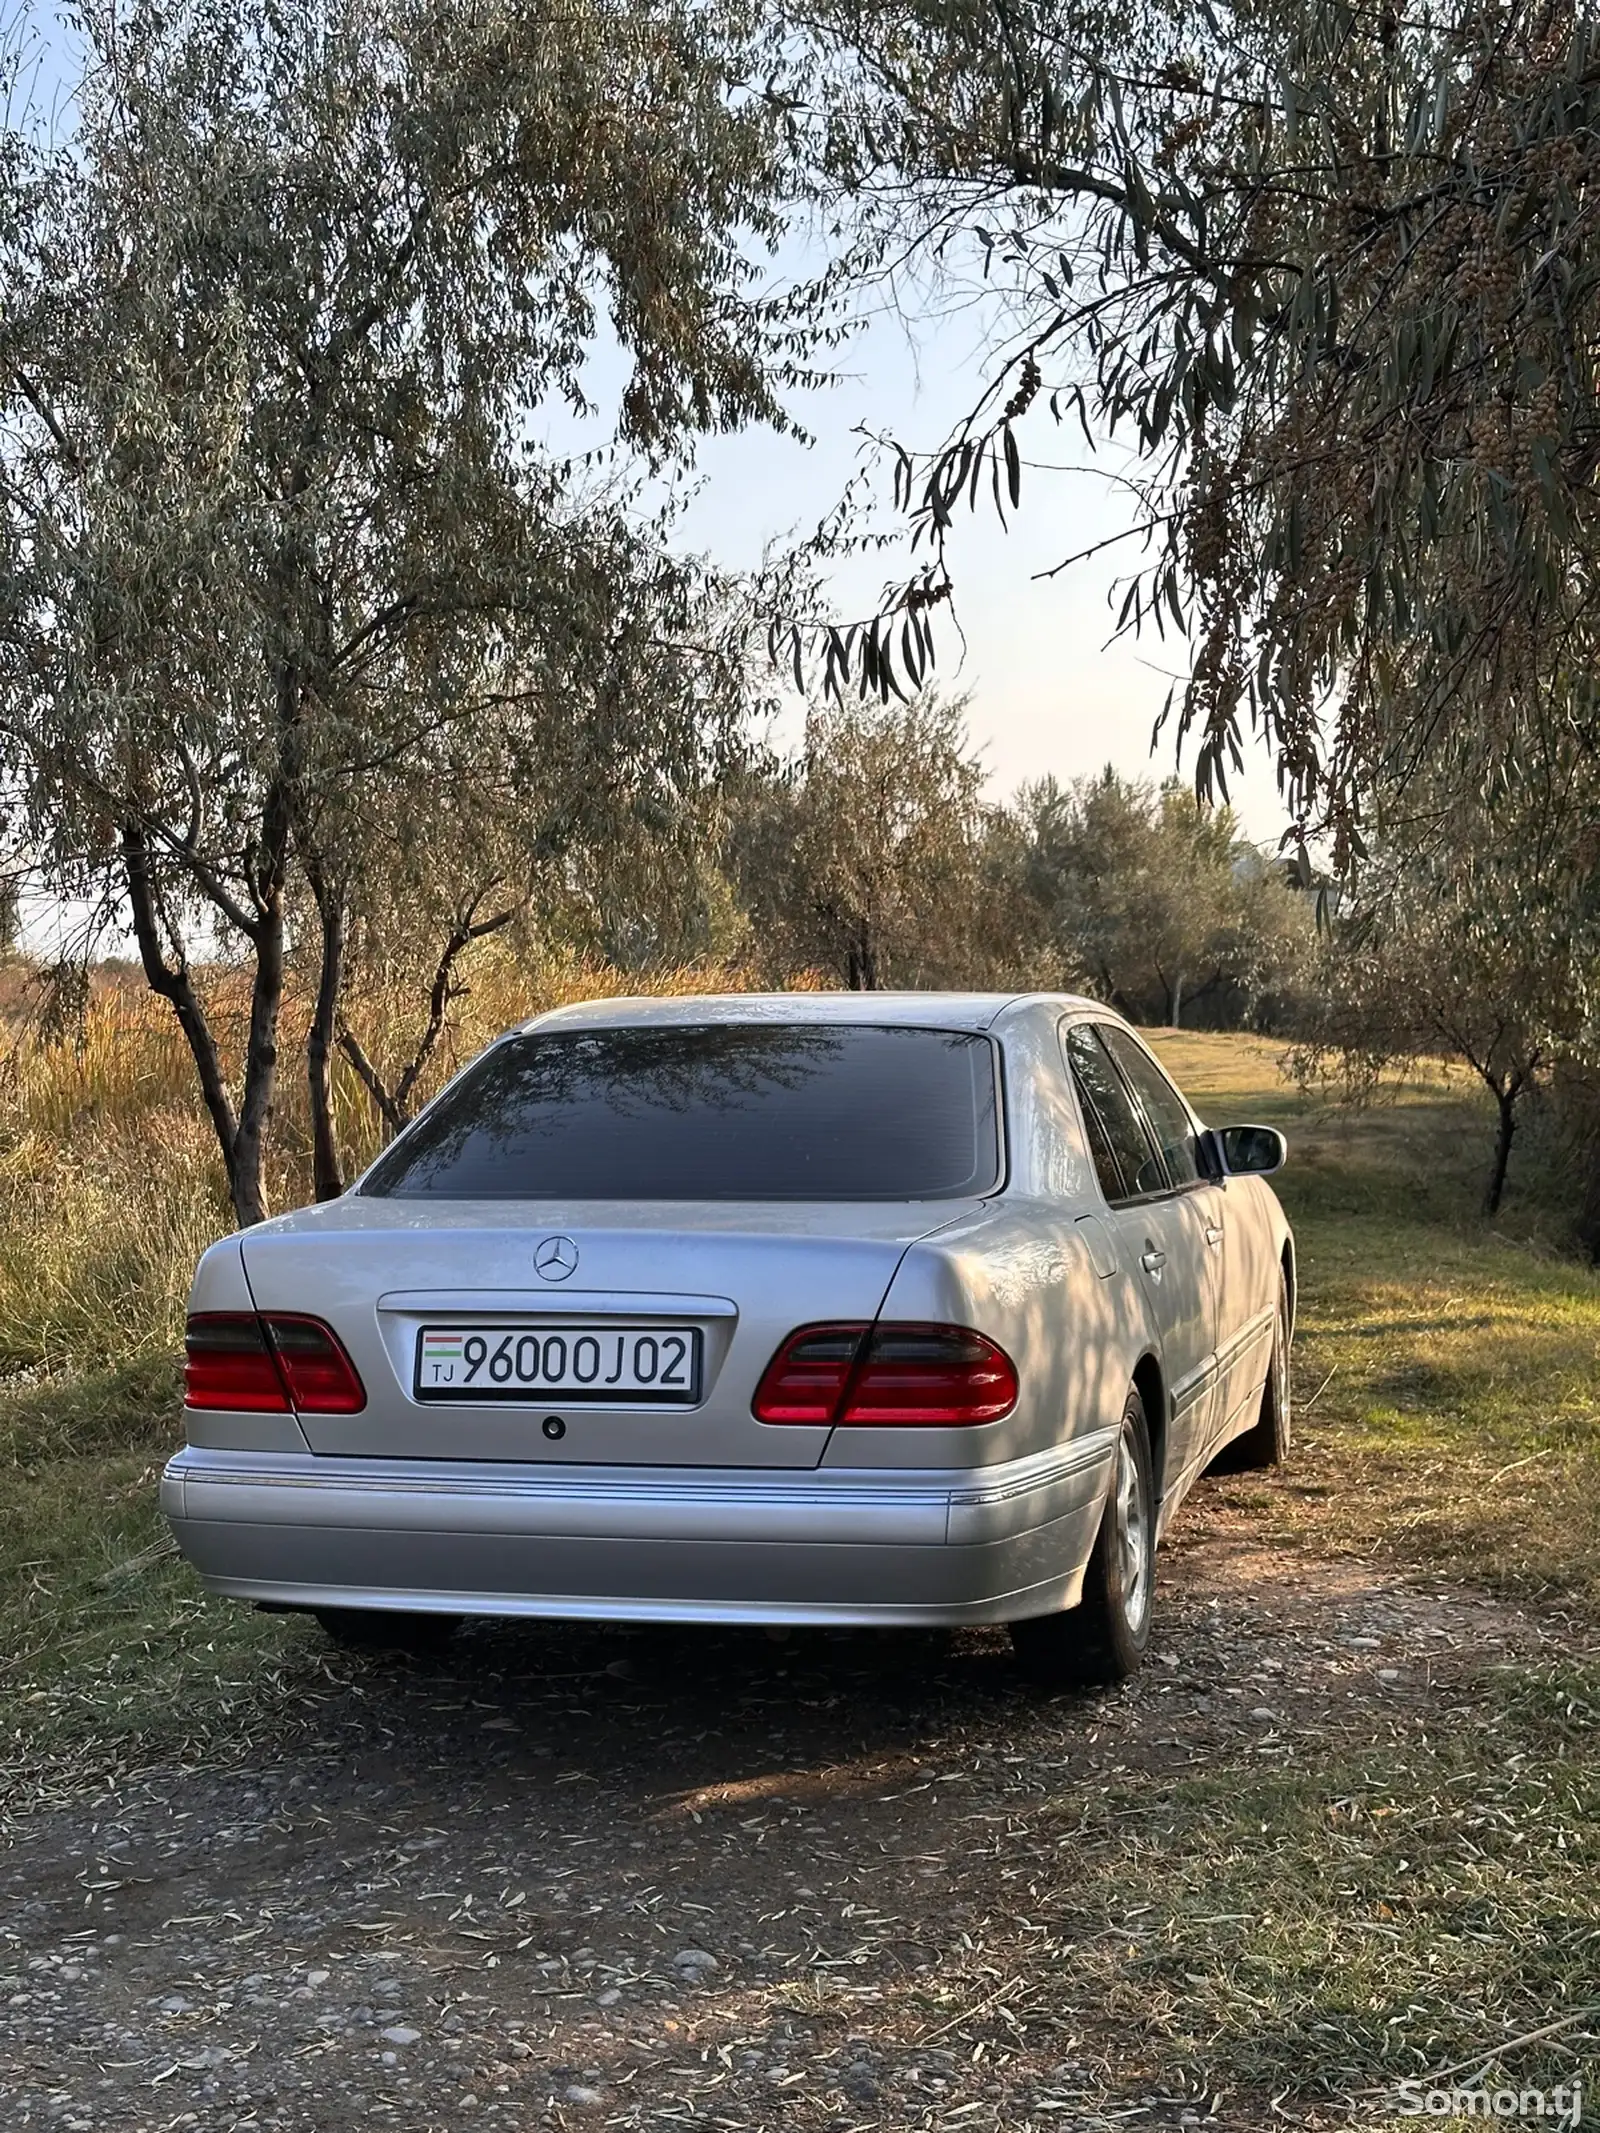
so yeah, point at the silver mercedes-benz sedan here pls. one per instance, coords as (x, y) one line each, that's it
(807, 1308)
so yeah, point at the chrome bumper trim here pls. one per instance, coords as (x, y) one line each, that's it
(914, 1506)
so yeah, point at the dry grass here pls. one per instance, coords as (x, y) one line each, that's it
(1326, 1931)
(110, 1181)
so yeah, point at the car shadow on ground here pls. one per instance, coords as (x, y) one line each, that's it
(633, 1705)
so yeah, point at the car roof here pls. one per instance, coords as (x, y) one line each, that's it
(935, 1010)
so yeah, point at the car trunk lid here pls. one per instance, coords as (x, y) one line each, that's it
(405, 1286)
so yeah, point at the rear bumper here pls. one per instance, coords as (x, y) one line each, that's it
(987, 1544)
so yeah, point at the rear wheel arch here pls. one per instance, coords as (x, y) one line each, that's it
(1151, 1389)
(1103, 1639)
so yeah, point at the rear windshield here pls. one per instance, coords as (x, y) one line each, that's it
(732, 1111)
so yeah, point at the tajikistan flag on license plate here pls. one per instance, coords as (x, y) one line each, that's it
(440, 1351)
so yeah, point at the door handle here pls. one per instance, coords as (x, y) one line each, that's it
(1213, 1235)
(1153, 1260)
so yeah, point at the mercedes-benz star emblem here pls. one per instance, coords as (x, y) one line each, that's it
(556, 1258)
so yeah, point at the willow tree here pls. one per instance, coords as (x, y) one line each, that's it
(1331, 274)
(283, 324)
(1470, 933)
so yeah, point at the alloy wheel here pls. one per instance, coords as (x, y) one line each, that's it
(1132, 1513)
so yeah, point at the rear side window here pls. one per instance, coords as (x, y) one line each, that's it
(1106, 1167)
(725, 1111)
(1124, 1160)
(1165, 1109)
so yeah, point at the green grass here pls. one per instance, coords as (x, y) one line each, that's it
(1325, 1932)
(1447, 1369)
(100, 1624)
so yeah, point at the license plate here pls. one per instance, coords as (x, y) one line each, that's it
(544, 1362)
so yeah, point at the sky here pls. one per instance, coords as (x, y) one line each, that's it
(1049, 692)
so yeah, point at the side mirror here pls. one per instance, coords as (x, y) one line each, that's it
(1250, 1151)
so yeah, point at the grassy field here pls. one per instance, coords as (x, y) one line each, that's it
(1299, 1921)
(1446, 1369)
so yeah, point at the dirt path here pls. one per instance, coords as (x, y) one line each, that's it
(587, 1877)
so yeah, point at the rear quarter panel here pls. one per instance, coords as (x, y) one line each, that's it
(1263, 1232)
(1023, 1274)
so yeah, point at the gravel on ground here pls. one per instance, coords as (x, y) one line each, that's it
(584, 1876)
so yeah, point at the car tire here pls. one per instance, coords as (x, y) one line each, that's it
(1266, 1442)
(379, 1629)
(1104, 1638)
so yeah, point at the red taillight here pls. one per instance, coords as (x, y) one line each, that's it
(228, 1364)
(931, 1374)
(805, 1380)
(887, 1375)
(248, 1365)
(321, 1378)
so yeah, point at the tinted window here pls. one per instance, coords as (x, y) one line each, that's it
(1106, 1167)
(1163, 1106)
(729, 1111)
(1123, 1158)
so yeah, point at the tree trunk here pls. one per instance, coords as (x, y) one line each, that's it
(394, 1106)
(371, 1080)
(863, 962)
(260, 1067)
(1589, 1212)
(173, 983)
(326, 1178)
(1506, 1098)
(1175, 1002)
